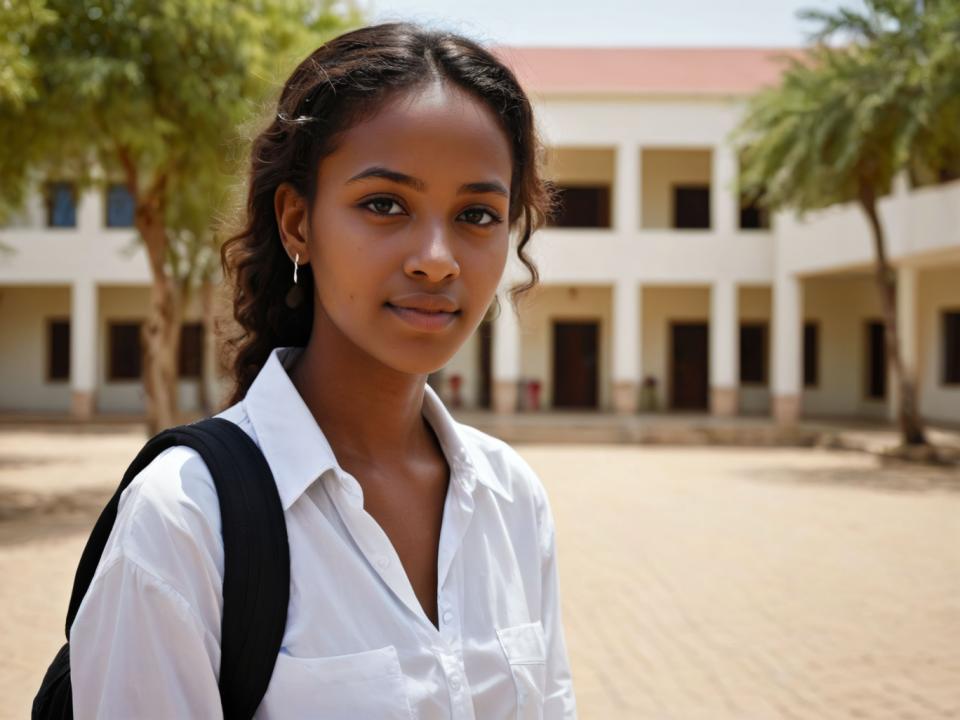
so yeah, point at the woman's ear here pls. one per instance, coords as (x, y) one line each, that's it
(292, 221)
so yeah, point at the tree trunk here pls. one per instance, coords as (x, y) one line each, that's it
(908, 410)
(161, 332)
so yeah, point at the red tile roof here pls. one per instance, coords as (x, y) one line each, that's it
(686, 71)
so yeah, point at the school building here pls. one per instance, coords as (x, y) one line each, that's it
(661, 291)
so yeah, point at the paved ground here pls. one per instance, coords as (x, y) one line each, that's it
(697, 582)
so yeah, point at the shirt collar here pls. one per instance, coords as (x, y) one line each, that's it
(299, 453)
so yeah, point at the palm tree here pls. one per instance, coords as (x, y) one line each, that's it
(847, 118)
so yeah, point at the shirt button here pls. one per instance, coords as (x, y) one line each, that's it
(455, 683)
(383, 562)
(447, 617)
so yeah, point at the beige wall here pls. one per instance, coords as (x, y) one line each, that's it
(466, 363)
(539, 310)
(119, 303)
(580, 165)
(755, 303)
(24, 312)
(660, 170)
(939, 290)
(661, 306)
(841, 305)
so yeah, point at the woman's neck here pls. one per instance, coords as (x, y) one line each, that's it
(364, 408)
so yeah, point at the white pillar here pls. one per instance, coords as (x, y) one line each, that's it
(724, 202)
(724, 347)
(506, 359)
(626, 204)
(626, 346)
(83, 347)
(787, 348)
(91, 211)
(907, 332)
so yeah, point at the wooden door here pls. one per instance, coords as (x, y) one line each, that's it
(485, 332)
(688, 366)
(575, 354)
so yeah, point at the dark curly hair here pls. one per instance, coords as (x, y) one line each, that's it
(334, 87)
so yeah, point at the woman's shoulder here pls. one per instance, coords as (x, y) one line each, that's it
(170, 508)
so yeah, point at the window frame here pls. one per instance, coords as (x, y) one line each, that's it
(49, 197)
(764, 326)
(106, 207)
(111, 375)
(50, 323)
(945, 381)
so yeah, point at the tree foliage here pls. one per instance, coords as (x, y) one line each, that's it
(886, 99)
(155, 94)
(877, 94)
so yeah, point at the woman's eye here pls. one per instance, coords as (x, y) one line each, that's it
(383, 206)
(475, 216)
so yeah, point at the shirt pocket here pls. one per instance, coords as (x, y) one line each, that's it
(367, 684)
(525, 650)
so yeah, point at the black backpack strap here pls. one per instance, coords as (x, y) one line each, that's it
(256, 578)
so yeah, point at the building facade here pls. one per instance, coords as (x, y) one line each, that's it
(660, 290)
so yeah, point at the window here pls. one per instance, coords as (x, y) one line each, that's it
(58, 350)
(951, 347)
(753, 217)
(582, 207)
(120, 206)
(753, 353)
(691, 206)
(61, 199)
(125, 351)
(811, 354)
(876, 361)
(191, 350)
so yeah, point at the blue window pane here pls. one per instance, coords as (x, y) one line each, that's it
(63, 207)
(119, 206)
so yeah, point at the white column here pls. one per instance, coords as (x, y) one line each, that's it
(626, 204)
(724, 203)
(626, 346)
(506, 358)
(83, 347)
(787, 348)
(91, 210)
(724, 346)
(907, 332)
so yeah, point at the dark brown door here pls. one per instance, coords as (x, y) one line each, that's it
(485, 332)
(575, 364)
(688, 366)
(876, 360)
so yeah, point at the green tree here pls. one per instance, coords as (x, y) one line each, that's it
(155, 93)
(877, 94)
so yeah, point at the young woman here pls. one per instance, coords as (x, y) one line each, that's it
(385, 197)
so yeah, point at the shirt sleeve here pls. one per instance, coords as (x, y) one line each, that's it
(146, 639)
(559, 698)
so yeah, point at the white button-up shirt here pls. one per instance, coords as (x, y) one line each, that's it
(357, 644)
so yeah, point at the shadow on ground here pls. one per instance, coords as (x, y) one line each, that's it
(887, 475)
(28, 516)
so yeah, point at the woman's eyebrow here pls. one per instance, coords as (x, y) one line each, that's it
(491, 186)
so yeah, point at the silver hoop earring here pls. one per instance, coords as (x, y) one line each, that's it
(296, 264)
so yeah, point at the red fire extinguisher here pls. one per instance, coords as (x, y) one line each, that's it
(533, 394)
(455, 383)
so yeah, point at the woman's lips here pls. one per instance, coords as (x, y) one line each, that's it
(422, 319)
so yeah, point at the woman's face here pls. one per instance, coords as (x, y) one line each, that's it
(411, 212)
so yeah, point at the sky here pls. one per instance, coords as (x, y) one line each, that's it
(678, 23)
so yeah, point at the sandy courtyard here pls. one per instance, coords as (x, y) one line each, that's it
(704, 583)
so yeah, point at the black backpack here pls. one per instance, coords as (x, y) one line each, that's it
(256, 578)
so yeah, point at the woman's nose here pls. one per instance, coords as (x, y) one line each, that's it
(432, 254)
